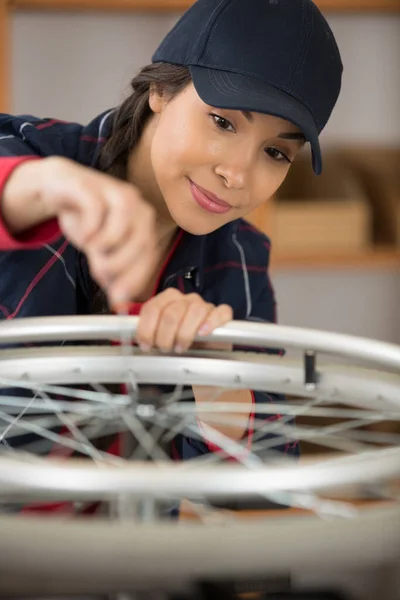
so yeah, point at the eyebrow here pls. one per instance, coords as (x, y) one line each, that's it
(297, 136)
(247, 114)
(292, 136)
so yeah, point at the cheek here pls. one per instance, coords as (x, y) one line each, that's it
(175, 149)
(267, 183)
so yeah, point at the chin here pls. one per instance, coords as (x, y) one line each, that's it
(196, 226)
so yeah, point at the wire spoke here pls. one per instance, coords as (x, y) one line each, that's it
(14, 403)
(156, 433)
(103, 425)
(374, 437)
(178, 428)
(51, 436)
(320, 507)
(43, 423)
(144, 438)
(294, 433)
(76, 433)
(12, 424)
(101, 397)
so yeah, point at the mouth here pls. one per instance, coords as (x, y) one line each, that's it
(208, 201)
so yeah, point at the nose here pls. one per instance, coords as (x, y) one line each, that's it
(235, 170)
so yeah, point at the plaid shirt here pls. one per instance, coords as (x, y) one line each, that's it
(228, 266)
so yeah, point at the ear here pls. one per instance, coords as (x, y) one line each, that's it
(157, 99)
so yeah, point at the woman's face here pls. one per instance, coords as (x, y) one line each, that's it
(213, 166)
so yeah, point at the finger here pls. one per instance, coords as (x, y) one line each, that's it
(197, 312)
(169, 322)
(139, 244)
(150, 316)
(79, 227)
(126, 211)
(82, 212)
(114, 233)
(107, 268)
(128, 286)
(221, 315)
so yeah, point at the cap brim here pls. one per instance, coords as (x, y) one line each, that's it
(237, 92)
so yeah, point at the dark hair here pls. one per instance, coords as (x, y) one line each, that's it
(131, 117)
(127, 127)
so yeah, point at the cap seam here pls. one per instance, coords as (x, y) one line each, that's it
(211, 33)
(304, 40)
(214, 17)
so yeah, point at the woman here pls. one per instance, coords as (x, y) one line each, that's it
(146, 203)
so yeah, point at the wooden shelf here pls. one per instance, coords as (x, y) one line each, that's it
(359, 5)
(374, 259)
(182, 5)
(103, 5)
(5, 58)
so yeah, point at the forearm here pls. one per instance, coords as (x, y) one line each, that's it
(231, 424)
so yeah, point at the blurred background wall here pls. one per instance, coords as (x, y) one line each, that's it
(75, 65)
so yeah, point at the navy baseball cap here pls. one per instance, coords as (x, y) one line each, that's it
(277, 57)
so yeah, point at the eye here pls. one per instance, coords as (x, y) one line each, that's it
(222, 123)
(277, 155)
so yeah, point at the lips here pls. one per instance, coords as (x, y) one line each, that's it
(208, 201)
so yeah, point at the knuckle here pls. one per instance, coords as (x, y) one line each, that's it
(122, 210)
(226, 311)
(201, 306)
(116, 196)
(170, 315)
(148, 311)
(172, 293)
(120, 218)
(197, 310)
(194, 298)
(83, 184)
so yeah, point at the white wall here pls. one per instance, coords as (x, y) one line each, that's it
(368, 108)
(357, 302)
(73, 66)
